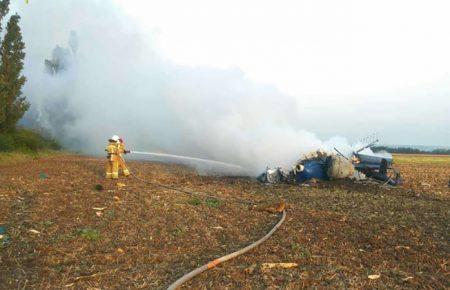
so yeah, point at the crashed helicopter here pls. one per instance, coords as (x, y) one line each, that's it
(322, 165)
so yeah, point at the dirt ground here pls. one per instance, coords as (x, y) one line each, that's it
(63, 233)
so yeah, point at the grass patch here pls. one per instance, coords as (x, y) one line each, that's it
(13, 157)
(195, 201)
(177, 232)
(47, 223)
(305, 253)
(89, 234)
(63, 238)
(7, 158)
(295, 247)
(212, 202)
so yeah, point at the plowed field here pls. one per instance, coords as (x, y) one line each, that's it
(62, 232)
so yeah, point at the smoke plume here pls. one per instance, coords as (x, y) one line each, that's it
(107, 77)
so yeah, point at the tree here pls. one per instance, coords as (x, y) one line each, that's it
(4, 9)
(12, 104)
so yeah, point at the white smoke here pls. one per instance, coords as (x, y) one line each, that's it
(116, 82)
(382, 154)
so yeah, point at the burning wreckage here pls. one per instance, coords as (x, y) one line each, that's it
(322, 165)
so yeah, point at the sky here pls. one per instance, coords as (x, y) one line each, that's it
(354, 67)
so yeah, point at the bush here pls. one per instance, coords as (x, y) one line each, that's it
(26, 140)
(6, 143)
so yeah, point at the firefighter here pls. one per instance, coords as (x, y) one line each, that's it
(122, 151)
(112, 167)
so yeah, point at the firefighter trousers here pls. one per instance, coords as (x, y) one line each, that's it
(112, 169)
(123, 166)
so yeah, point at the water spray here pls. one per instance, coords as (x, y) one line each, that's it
(230, 166)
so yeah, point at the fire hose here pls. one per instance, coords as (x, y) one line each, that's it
(222, 259)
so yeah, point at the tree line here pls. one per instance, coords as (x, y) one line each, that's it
(408, 150)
